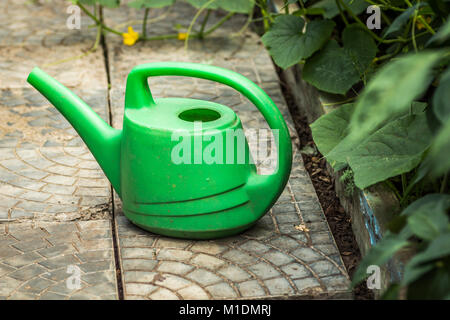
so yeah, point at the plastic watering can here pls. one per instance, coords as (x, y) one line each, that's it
(187, 199)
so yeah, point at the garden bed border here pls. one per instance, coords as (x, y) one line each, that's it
(370, 209)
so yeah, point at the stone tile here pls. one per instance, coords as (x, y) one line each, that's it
(279, 286)
(325, 268)
(139, 289)
(174, 267)
(221, 290)
(207, 261)
(163, 294)
(203, 277)
(193, 293)
(264, 270)
(251, 289)
(234, 273)
(42, 271)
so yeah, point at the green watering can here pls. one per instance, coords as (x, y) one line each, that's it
(195, 200)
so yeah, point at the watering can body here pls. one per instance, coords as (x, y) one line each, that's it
(181, 167)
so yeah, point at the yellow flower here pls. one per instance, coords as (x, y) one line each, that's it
(130, 37)
(420, 25)
(182, 35)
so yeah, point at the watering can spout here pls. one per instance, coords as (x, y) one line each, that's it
(102, 140)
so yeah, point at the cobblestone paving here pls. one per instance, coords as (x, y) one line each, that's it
(288, 253)
(34, 260)
(55, 202)
(49, 181)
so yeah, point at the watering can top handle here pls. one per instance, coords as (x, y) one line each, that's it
(138, 95)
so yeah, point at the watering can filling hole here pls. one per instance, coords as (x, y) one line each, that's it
(199, 114)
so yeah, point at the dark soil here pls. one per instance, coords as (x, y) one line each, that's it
(338, 219)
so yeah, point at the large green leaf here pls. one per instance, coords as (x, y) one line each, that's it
(138, 4)
(441, 36)
(288, 44)
(331, 128)
(331, 69)
(331, 9)
(360, 47)
(379, 255)
(391, 91)
(439, 156)
(401, 20)
(240, 6)
(441, 98)
(390, 151)
(439, 248)
(428, 225)
(433, 285)
(335, 69)
(430, 202)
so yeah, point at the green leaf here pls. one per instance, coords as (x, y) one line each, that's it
(109, 3)
(391, 91)
(360, 47)
(138, 4)
(390, 151)
(331, 128)
(441, 98)
(430, 202)
(439, 156)
(392, 292)
(401, 20)
(378, 255)
(240, 6)
(288, 44)
(200, 3)
(428, 225)
(331, 9)
(419, 265)
(335, 69)
(331, 69)
(434, 285)
(441, 36)
(437, 249)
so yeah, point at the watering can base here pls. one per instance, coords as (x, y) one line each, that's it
(197, 227)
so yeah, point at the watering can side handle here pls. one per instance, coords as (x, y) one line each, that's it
(138, 95)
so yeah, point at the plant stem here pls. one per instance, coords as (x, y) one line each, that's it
(286, 7)
(404, 187)
(90, 15)
(413, 31)
(144, 23)
(205, 20)
(341, 13)
(391, 186)
(245, 26)
(219, 23)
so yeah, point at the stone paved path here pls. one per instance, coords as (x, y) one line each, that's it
(56, 206)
